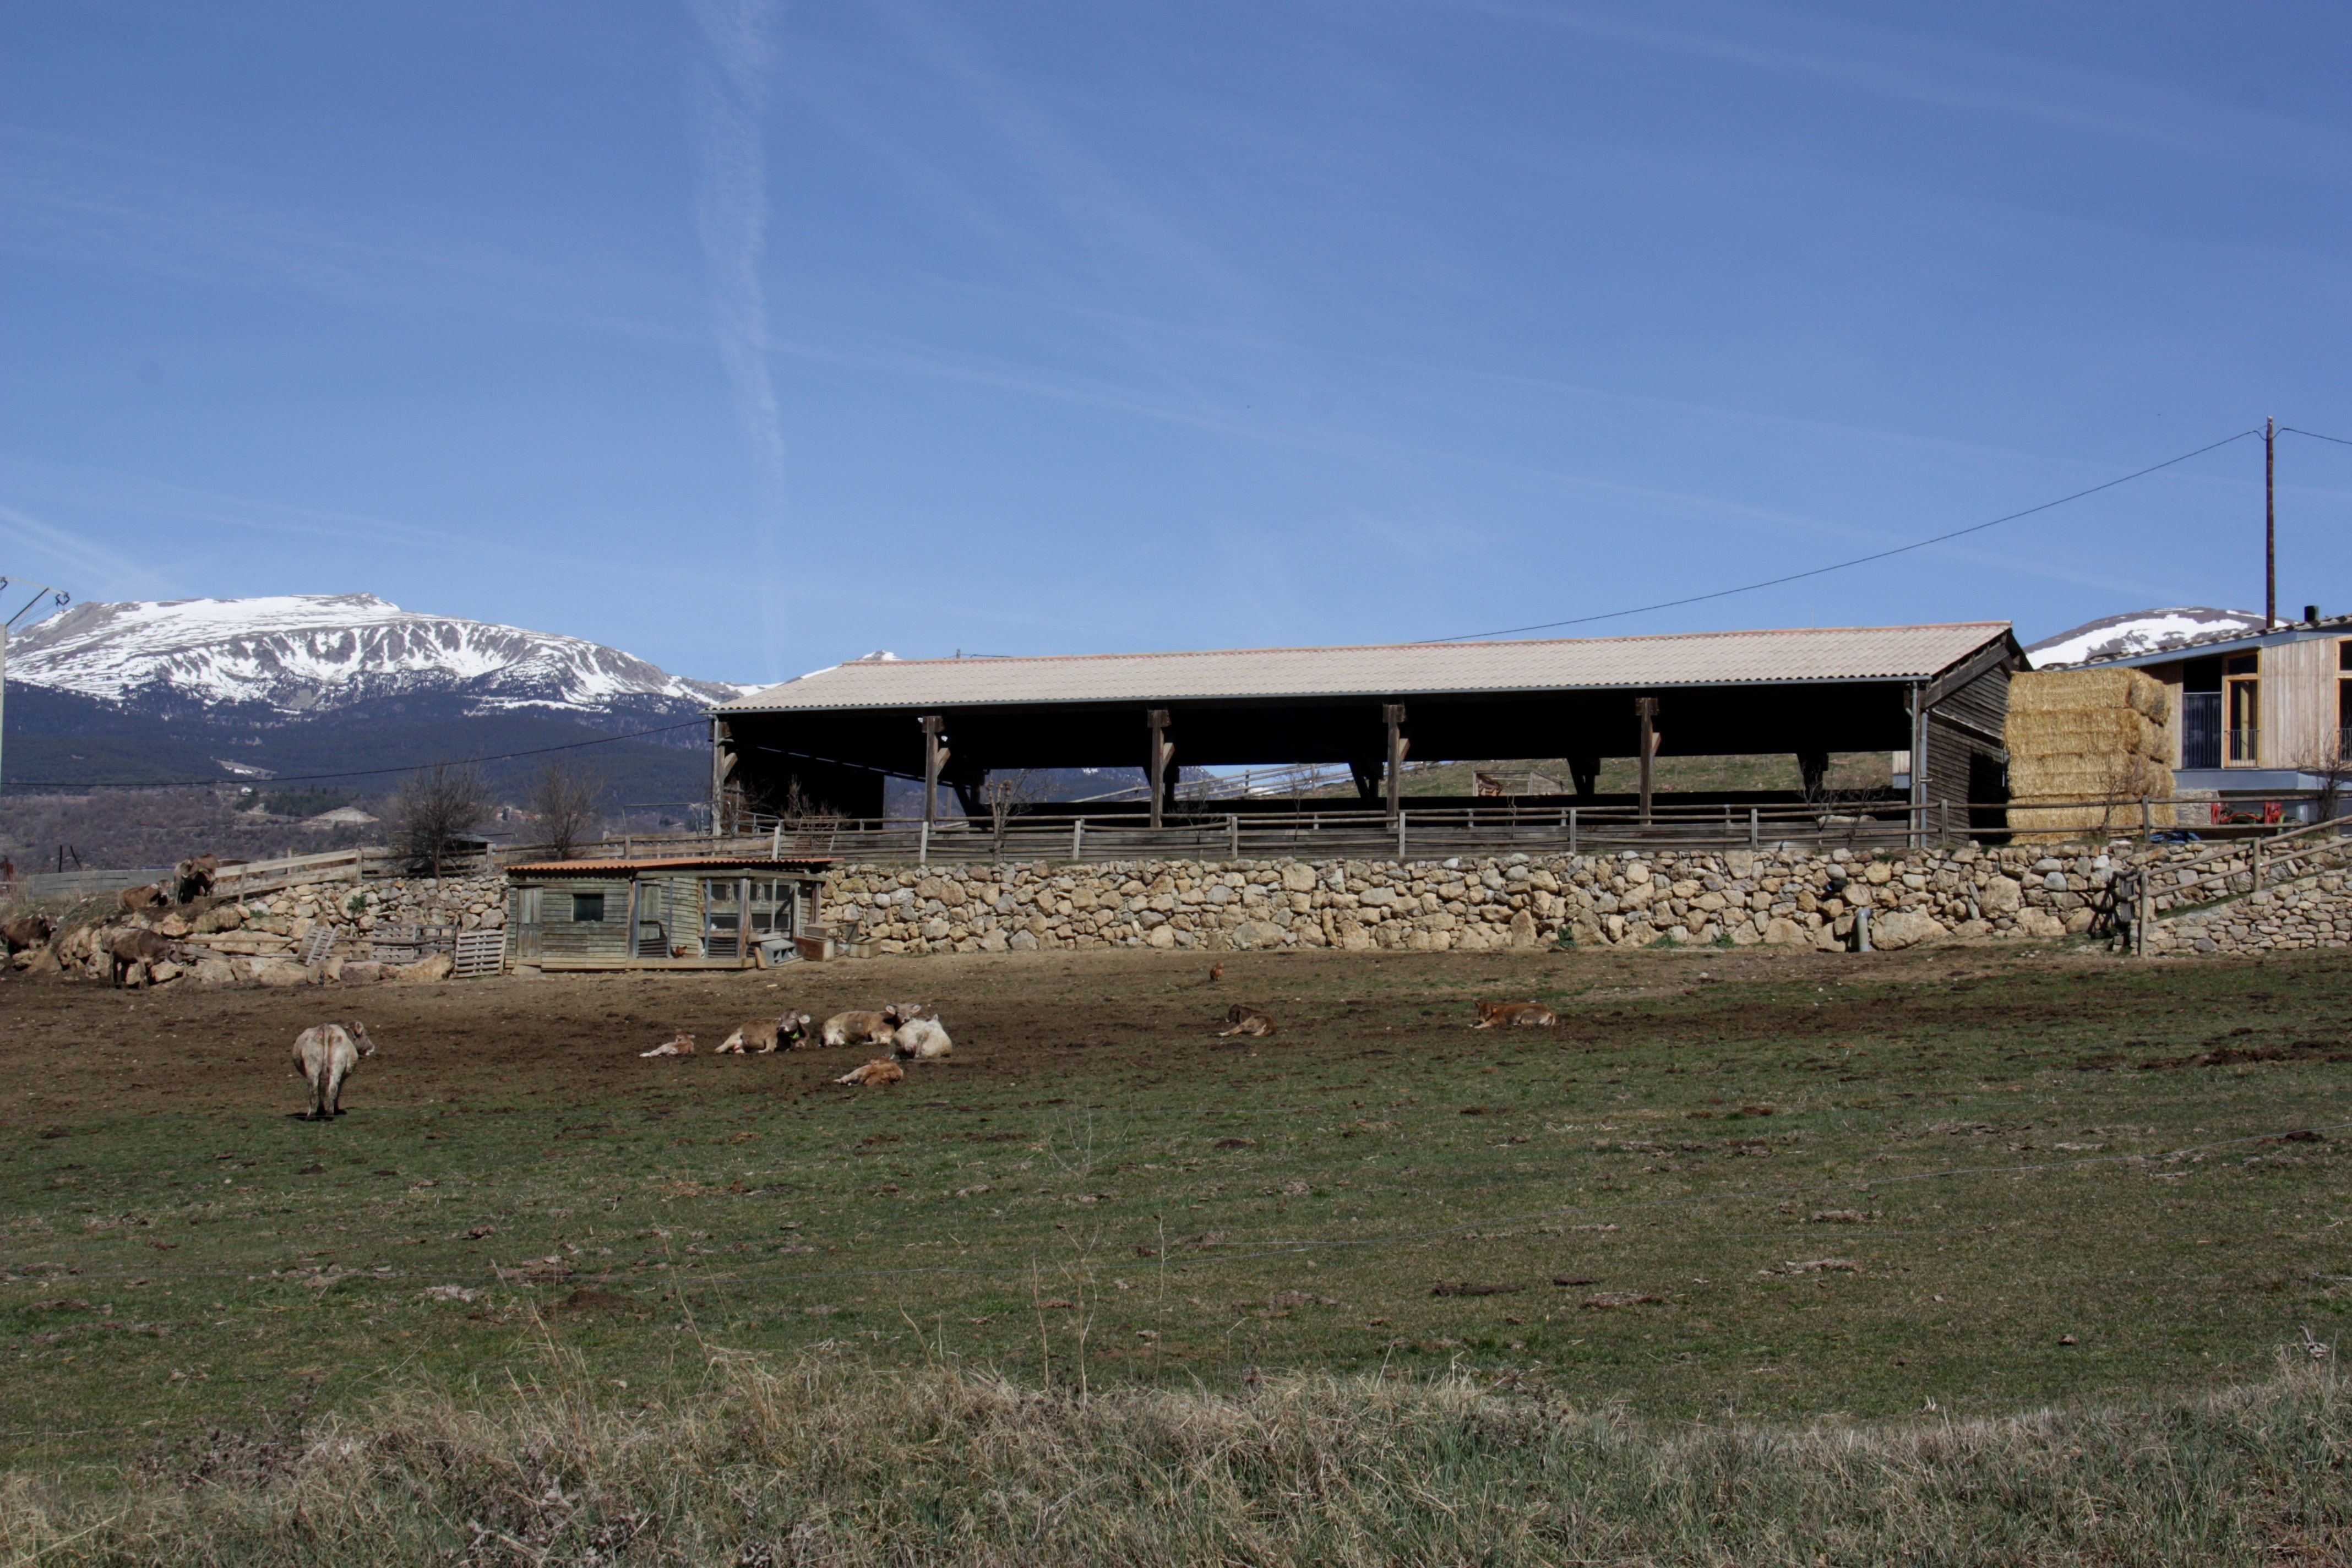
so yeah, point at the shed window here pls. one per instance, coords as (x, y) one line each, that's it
(588, 909)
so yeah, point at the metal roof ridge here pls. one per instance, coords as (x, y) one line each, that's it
(1387, 646)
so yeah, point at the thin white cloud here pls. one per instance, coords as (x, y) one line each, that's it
(731, 218)
(81, 567)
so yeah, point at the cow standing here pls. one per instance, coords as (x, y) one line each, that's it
(327, 1053)
(26, 931)
(139, 950)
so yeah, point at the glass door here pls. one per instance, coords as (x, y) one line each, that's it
(2242, 694)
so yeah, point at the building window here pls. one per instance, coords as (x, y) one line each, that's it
(2242, 694)
(588, 909)
(2343, 704)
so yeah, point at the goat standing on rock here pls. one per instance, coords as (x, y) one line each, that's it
(327, 1053)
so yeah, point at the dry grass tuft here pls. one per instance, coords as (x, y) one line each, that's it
(827, 1463)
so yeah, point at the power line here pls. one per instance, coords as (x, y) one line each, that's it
(1857, 560)
(2298, 431)
(364, 772)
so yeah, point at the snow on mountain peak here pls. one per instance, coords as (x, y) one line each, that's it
(2138, 632)
(304, 652)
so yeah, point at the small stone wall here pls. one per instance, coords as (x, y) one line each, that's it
(259, 941)
(2315, 912)
(1744, 897)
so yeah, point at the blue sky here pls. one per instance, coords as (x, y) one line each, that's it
(748, 339)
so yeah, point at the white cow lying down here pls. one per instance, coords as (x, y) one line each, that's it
(922, 1040)
(327, 1053)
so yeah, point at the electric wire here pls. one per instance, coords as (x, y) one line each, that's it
(1856, 561)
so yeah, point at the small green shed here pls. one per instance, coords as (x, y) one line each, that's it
(678, 912)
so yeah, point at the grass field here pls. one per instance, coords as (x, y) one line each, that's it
(1730, 1183)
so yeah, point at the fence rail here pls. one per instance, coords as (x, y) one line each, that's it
(1432, 833)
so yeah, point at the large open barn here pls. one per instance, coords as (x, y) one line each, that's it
(830, 742)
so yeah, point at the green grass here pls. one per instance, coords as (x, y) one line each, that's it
(1098, 1193)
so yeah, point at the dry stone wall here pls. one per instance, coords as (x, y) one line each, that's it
(262, 939)
(2313, 911)
(1743, 898)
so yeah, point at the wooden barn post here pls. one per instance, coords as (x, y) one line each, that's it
(935, 757)
(1155, 772)
(1645, 708)
(1392, 714)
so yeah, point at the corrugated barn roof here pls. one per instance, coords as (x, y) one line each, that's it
(1392, 670)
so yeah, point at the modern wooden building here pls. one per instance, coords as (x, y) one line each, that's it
(827, 741)
(2261, 714)
(678, 912)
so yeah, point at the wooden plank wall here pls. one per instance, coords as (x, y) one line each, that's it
(2299, 702)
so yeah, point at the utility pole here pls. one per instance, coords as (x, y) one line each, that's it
(38, 594)
(2270, 525)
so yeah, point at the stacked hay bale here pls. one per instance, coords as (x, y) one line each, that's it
(2085, 747)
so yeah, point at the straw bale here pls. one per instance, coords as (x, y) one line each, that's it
(2087, 732)
(2057, 690)
(2117, 775)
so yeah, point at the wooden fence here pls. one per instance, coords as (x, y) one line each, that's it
(1420, 834)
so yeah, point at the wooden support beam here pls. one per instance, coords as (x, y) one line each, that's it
(1586, 770)
(935, 757)
(1814, 768)
(1645, 708)
(1156, 760)
(1392, 715)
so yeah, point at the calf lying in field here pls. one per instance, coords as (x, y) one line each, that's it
(327, 1053)
(1246, 1021)
(763, 1037)
(138, 950)
(678, 1045)
(26, 930)
(865, 1028)
(923, 1040)
(1493, 1012)
(874, 1074)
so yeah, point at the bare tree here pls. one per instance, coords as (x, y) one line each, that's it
(1006, 798)
(564, 798)
(436, 806)
(2333, 762)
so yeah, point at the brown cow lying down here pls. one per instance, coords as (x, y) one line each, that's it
(132, 950)
(874, 1074)
(26, 930)
(1493, 1012)
(146, 896)
(866, 1028)
(678, 1045)
(1246, 1021)
(327, 1053)
(766, 1035)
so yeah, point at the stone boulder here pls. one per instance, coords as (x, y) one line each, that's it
(427, 971)
(1898, 929)
(2041, 925)
(2001, 896)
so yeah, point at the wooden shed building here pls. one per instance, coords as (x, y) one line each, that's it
(827, 741)
(677, 912)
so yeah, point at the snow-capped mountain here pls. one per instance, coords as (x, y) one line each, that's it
(313, 653)
(2138, 632)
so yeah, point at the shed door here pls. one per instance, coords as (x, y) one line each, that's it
(524, 918)
(722, 921)
(652, 920)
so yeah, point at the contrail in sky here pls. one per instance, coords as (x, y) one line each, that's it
(731, 216)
